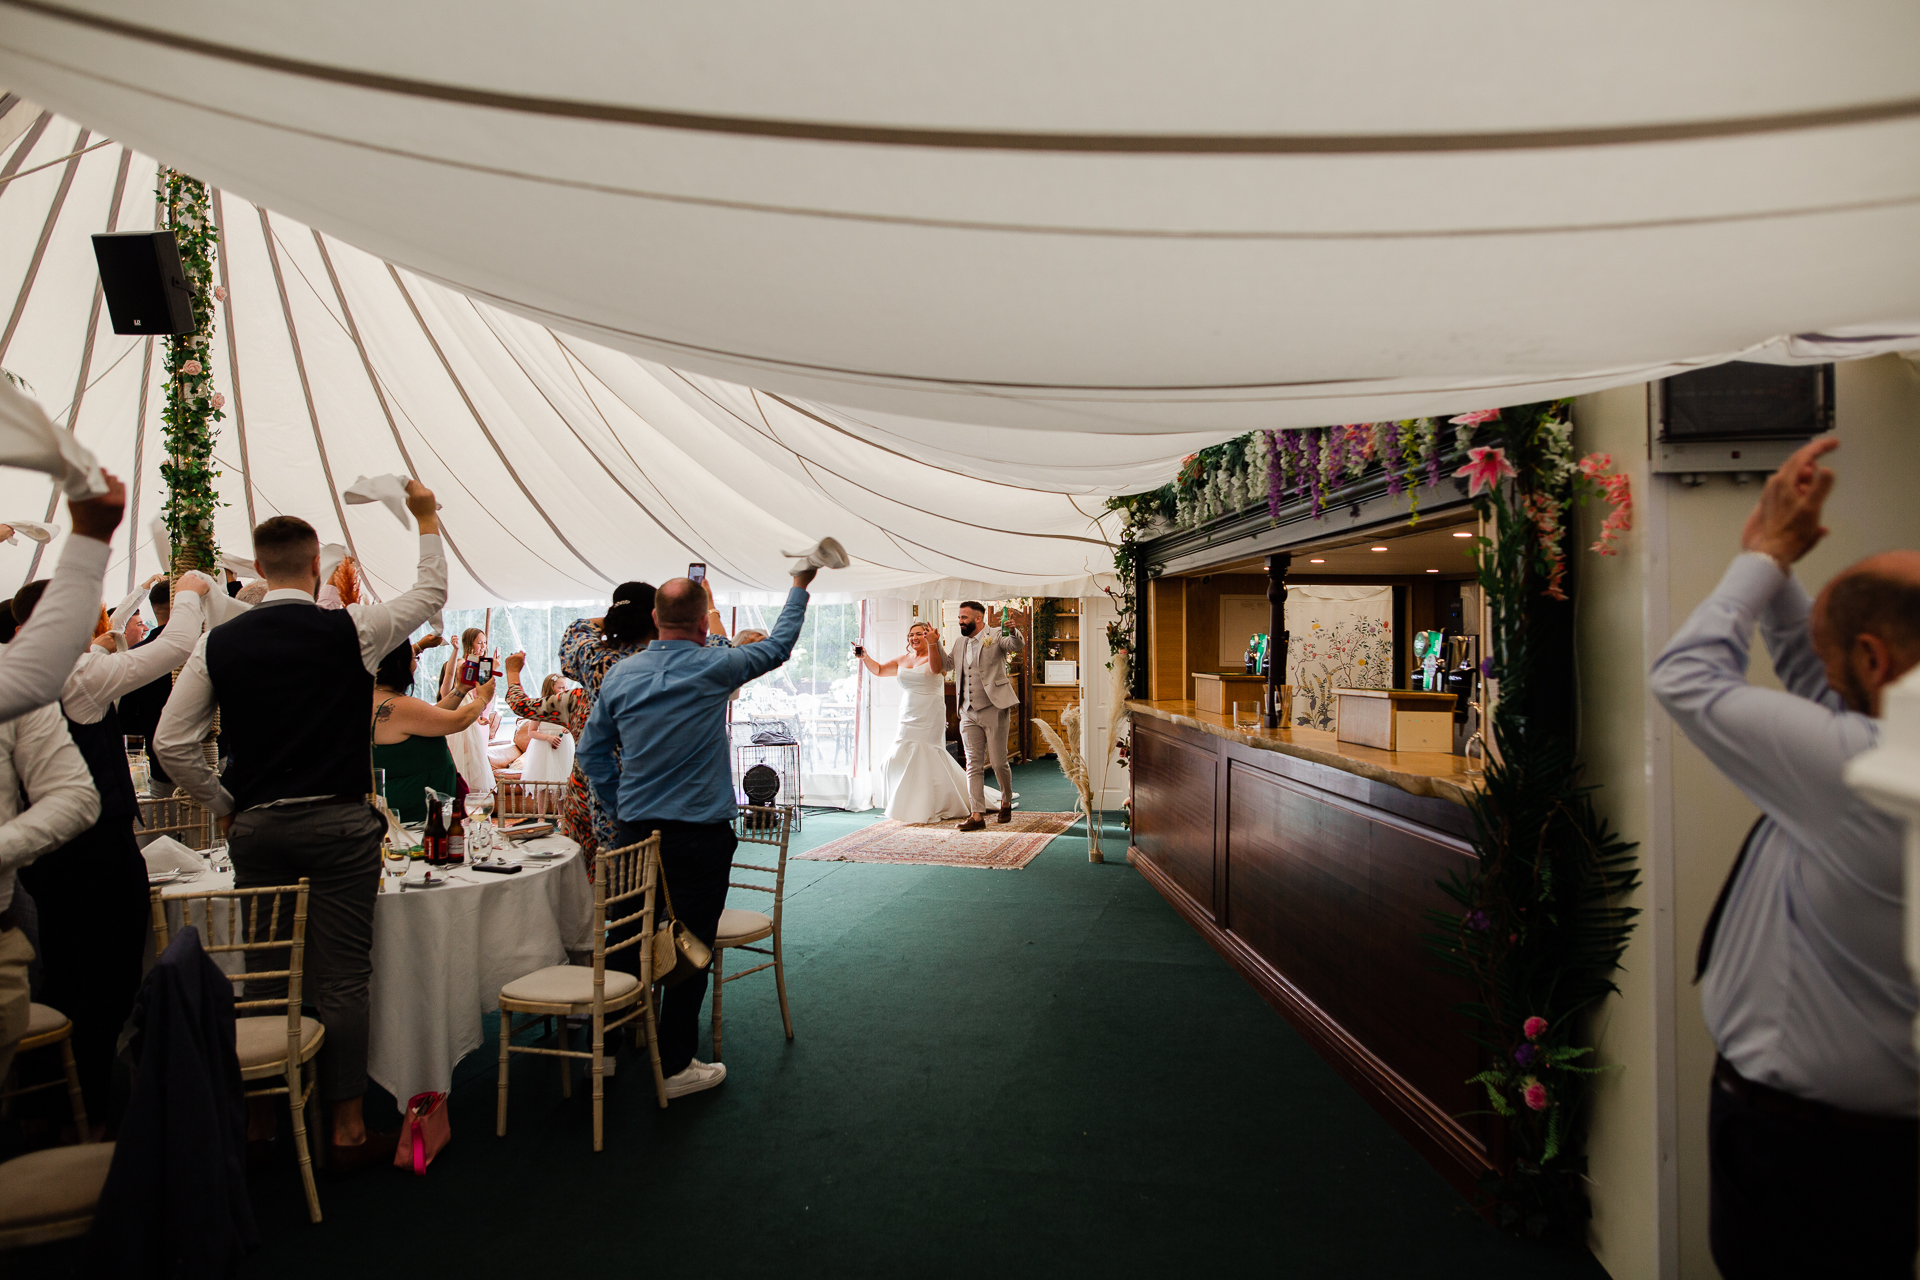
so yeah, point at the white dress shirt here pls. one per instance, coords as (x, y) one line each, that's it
(1807, 989)
(99, 678)
(189, 711)
(38, 758)
(41, 657)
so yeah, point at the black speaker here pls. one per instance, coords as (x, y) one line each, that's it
(145, 285)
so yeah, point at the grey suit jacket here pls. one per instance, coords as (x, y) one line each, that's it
(989, 669)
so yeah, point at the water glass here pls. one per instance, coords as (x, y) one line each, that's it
(1250, 719)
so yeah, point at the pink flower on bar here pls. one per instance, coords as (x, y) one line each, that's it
(1595, 463)
(1536, 1094)
(219, 293)
(190, 368)
(219, 401)
(1486, 467)
(1532, 1027)
(1475, 418)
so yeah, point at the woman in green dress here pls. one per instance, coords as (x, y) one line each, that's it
(410, 734)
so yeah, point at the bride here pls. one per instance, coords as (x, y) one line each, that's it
(924, 784)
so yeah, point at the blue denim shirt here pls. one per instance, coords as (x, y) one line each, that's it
(665, 708)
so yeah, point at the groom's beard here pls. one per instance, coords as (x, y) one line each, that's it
(967, 628)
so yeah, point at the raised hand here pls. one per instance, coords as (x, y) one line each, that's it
(1785, 523)
(421, 502)
(516, 662)
(99, 517)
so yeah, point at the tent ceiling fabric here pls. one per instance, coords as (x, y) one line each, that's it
(1070, 216)
(563, 467)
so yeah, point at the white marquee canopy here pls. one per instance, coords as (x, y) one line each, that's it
(564, 467)
(1070, 215)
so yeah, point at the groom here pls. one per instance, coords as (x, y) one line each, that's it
(984, 697)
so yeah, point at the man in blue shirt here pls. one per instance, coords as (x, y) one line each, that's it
(664, 709)
(1813, 1146)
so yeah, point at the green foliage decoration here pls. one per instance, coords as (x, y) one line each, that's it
(193, 406)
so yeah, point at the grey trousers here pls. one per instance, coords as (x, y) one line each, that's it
(15, 1007)
(336, 847)
(984, 732)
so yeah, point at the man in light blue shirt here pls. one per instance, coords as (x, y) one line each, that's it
(664, 708)
(1814, 1151)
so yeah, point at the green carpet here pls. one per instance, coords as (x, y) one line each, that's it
(1036, 1072)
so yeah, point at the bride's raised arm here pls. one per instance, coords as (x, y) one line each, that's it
(936, 657)
(889, 668)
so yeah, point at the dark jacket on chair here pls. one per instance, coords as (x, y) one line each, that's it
(175, 1203)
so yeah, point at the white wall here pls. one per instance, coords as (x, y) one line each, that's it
(1649, 1153)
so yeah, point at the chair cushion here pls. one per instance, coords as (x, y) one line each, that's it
(566, 984)
(53, 1185)
(42, 1019)
(742, 926)
(263, 1041)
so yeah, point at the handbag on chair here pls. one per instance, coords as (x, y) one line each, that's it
(677, 954)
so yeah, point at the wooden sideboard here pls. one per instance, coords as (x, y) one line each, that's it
(1309, 867)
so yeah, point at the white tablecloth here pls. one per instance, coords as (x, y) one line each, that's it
(440, 957)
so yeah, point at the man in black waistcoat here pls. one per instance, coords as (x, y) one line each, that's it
(294, 686)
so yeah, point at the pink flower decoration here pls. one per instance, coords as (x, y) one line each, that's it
(1536, 1095)
(1475, 418)
(1532, 1027)
(219, 293)
(1486, 467)
(190, 368)
(219, 401)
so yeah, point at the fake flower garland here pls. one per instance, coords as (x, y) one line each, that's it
(193, 406)
(1540, 927)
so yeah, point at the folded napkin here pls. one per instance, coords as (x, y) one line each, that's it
(162, 545)
(390, 491)
(168, 854)
(32, 528)
(331, 554)
(30, 441)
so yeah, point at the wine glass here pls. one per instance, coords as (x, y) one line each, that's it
(479, 826)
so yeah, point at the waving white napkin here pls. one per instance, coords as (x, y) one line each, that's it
(220, 607)
(29, 440)
(390, 491)
(331, 554)
(168, 854)
(162, 545)
(824, 554)
(238, 565)
(32, 528)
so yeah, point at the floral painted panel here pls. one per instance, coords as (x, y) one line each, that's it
(1339, 638)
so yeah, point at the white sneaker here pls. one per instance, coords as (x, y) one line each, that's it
(697, 1076)
(824, 554)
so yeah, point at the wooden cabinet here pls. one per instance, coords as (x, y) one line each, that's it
(1049, 700)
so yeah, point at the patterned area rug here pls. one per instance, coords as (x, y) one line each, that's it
(939, 844)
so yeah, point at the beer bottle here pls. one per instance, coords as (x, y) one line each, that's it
(457, 831)
(434, 838)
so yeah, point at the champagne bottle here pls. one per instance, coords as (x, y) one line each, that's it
(434, 838)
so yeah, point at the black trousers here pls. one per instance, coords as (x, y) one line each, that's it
(336, 846)
(91, 894)
(1795, 1195)
(697, 858)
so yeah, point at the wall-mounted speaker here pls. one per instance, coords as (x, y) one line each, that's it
(145, 285)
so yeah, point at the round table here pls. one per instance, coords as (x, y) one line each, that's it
(441, 955)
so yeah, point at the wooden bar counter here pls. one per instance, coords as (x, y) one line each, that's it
(1309, 863)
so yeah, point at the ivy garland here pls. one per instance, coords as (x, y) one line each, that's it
(193, 406)
(1540, 928)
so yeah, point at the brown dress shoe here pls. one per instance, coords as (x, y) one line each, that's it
(1006, 811)
(972, 824)
(376, 1150)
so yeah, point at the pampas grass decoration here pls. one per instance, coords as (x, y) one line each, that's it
(1074, 767)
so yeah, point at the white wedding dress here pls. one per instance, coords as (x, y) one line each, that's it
(924, 784)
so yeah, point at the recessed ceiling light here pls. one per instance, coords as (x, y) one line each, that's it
(1316, 562)
(1463, 535)
(1433, 571)
(1376, 548)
